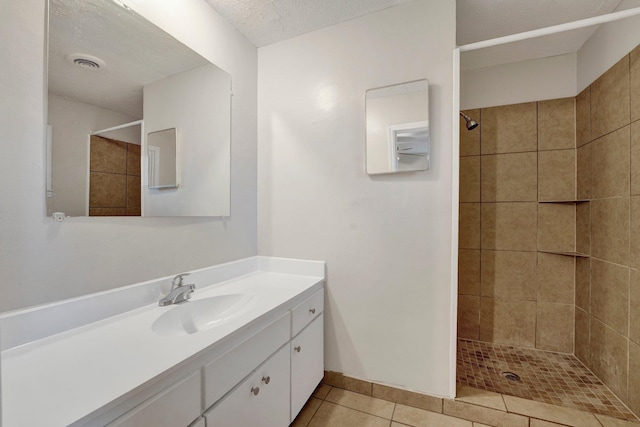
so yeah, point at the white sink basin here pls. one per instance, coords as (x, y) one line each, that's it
(196, 316)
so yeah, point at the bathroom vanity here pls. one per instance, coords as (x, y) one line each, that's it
(247, 349)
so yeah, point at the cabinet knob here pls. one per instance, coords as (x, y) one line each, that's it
(298, 348)
(255, 390)
(266, 379)
(312, 310)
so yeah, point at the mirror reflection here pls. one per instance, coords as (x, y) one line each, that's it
(109, 67)
(397, 138)
(114, 171)
(161, 151)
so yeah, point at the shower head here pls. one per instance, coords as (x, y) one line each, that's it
(471, 124)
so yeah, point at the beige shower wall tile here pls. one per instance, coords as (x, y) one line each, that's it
(583, 117)
(468, 317)
(133, 192)
(583, 283)
(509, 128)
(610, 99)
(469, 271)
(107, 155)
(609, 352)
(557, 175)
(470, 179)
(107, 190)
(582, 336)
(555, 278)
(511, 322)
(133, 159)
(610, 294)
(635, 157)
(509, 177)
(509, 274)
(556, 227)
(470, 139)
(633, 400)
(634, 81)
(583, 172)
(556, 124)
(634, 306)
(583, 228)
(509, 226)
(610, 229)
(469, 226)
(554, 327)
(634, 244)
(107, 211)
(611, 165)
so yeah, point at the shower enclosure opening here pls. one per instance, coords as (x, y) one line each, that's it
(547, 265)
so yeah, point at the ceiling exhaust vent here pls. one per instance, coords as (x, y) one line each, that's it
(86, 61)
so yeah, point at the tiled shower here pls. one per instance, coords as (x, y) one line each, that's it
(549, 254)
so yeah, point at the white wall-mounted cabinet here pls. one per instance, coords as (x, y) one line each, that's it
(261, 400)
(263, 380)
(307, 363)
(178, 405)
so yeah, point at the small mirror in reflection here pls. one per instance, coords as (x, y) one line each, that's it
(162, 154)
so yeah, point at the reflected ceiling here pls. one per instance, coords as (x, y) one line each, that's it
(134, 51)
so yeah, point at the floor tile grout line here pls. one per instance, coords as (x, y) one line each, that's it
(361, 411)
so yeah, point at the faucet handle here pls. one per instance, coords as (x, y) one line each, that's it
(179, 278)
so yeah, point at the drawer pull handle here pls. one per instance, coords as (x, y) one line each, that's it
(266, 379)
(255, 390)
(312, 310)
(298, 348)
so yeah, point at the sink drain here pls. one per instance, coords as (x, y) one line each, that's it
(511, 376)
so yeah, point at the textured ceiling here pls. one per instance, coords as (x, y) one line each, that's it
(134, 50)
(268, 21)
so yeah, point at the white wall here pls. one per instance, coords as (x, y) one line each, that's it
(71, 122)
(607, 46)
(197, 103)
(41, 260)
(516, 82)
(386, 239)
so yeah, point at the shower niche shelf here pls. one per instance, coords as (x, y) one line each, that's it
(576, 201)
(567, 253)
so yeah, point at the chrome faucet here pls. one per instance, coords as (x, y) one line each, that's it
(179, 292)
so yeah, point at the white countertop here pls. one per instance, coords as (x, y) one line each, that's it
(60, 379)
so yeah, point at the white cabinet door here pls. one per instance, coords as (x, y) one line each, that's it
(307, 363)
(262, 400)
(176, 406)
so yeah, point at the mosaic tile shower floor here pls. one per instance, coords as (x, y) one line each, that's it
(554, 378)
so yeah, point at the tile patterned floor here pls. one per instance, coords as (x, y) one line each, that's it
(553, 378)
(336, 407)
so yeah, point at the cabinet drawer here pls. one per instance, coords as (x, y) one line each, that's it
(261, 400)
(307, 363)
(223, 373)
(176, 406)
(306, 311)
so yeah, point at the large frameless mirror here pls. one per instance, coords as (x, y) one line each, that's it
(113, 74)
(397, 138)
